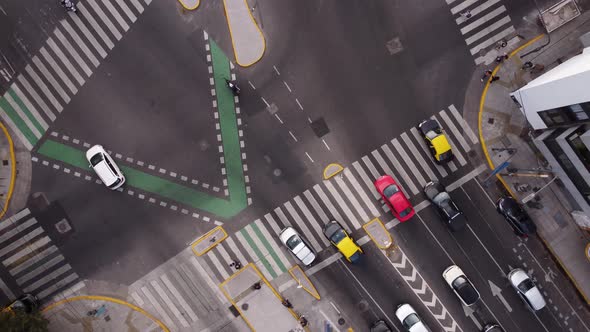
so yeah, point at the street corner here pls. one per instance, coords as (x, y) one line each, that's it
(208, 241)
(99, 313)
(247, 39)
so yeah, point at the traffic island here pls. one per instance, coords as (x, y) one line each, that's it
(379, 234)
(259, 304)
(208, 241)
(303, 281)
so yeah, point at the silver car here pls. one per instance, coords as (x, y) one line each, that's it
(526, 289)
(297, 245)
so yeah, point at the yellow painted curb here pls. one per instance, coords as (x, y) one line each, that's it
(331, 170)
(108, 299)
(190, 8)
(213, 244)
(312, 293)
(491, 164)
(377, 220)
(232, 38)
(12, 170)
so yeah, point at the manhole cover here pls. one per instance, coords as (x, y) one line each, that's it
(363, 305)
(204, 145)
(245, 306)
(394, 46)
(273, 108)
(277, 172)
(341, 321)
(320, 127)
(63, 226)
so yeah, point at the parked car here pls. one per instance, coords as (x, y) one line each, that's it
(297, 245)
(26, 303)
(492, 327)
(394, 197)
(518, 219)
(410, 319)
(105, 167)
(436, 140)
(462, 287)
(526, 289)
(342, 241)
(453, 217)
(380, 326)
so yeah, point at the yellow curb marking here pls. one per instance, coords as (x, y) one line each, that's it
(262, 278)
(331, 170)
(378, 221)
(190, 8)
(587, 251)
(231, 34)
(206, 236)
(12, 170)
(491, 164)
(108, 299)
(313, 292)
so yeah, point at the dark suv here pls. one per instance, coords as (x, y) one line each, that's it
(436, 193)
(517, 218)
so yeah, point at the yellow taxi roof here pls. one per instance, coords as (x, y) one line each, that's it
(347, 247)
(440, 144)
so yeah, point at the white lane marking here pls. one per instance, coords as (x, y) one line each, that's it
(362, 193)
(266, 102)
(276, 70)
(44, 88)
(252, 85)
(326, 144)
(57, 68)
(80, 43)
(179, 299)
(169, 303)
(72, 52)
(303, 227)
(299, 104)
(89, 36)
(105, 19)
(487, 251)
(218, 265)
(342, 205)
(370, 296)
(388, 170)
(406, 158)
(335, 214)
(287, 85)
(311, 219)
(116, 14)
(97, 28)
(158, 307)
(422, 145)
(482, 20)
(271, 240)
(458, 8)
(137, 5)
(455, 131)
(62, 57)
(464, 124)
(406, 138)
(308, 156)
(127, 11)
(359, 169)
(485, 192)
(492, 40)
(278, 118)
(293, 136)
(456, 151)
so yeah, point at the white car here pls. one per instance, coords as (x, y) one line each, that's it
(526, 289)
(297, 245)
(105, 167)
(410, 319)
(462, 287)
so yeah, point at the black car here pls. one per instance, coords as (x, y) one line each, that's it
(26, 303)
(380, 326)
(516, 216)
(453, 217)
(492, 328)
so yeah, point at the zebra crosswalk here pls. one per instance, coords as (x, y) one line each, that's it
(487, 24)
(60, 68)
(32, 259)
(348, 197)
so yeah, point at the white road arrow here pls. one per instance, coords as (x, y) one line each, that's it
(496, 291)
(469, 313)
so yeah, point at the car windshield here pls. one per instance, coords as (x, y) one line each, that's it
(431, 135)
(338, 236)
(293, 242)
(390, 190)
(405, 212)
(97, 158)
(465, 290)
(525, 285)
(440, 198)
(410, 321)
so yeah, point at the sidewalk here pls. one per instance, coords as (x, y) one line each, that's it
(504, 131)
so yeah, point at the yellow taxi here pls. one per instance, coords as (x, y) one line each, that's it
(342, 241)
(436, 140)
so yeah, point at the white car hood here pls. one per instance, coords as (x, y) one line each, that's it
(304, 254)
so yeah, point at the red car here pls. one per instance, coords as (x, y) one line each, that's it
(394, 197)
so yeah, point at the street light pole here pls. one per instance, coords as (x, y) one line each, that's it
(532, 195)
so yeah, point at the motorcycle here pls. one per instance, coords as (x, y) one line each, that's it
(233, 87)
(69, 5)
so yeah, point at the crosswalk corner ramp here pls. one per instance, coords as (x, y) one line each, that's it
(303, 281)
(190, 4)
(332, 170)
(208, 241)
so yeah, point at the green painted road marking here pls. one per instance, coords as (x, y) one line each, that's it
(229, 128)
(258, 252)
(236, 183)
(27, 112)
(20, 123)
(268, 247)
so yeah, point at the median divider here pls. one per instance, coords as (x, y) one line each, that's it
(303, 281)
(208, 241)
(379, 234)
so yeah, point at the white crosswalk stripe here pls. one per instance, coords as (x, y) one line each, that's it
(255, 258)
(458, 155)
(400, 169)
(272, 240)
(318, 210)
(179, 299)
(463, 124)
(72, 32)
(127, 11)
(16, 107)
(314, 223)
(97, 28)
(49, 77)
(302, 226)
(158, 307)
(236, 251)
(59, 71)
(455, 131)
(43, 88)
(169, 303)
(80, 24)
(419, 157)
(217, 264)
(66, 62)
(105, 20)
(350, 196)
(273, 224)
(335, 214)
(366, 180)
(282, 217)
(343, 206)
(406, 158)
(116, 14)
(357, 187)
(72, 51)
(262, 248)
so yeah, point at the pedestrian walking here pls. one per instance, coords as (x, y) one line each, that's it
(257, 286)
(466, 14)
(502, 57)
(238, 265)
(494, 78)
(486, 74)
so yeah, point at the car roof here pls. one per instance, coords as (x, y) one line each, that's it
(105, 173)
(347, 247)
(441, 144)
